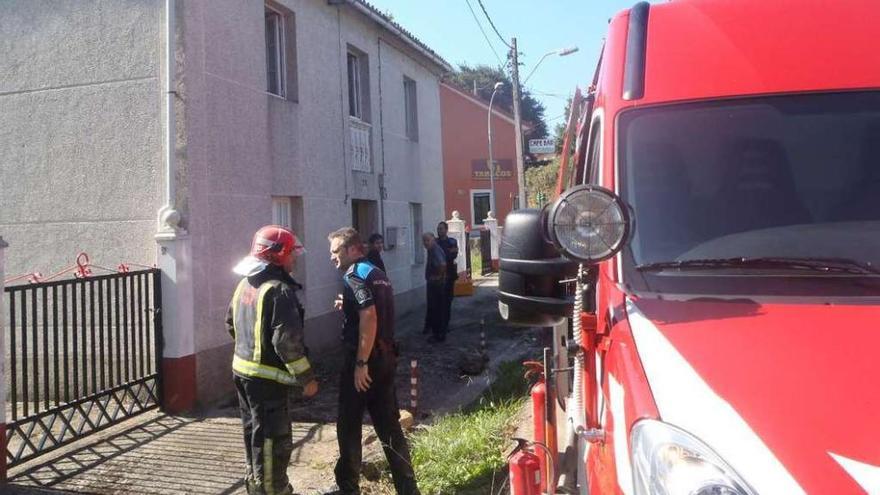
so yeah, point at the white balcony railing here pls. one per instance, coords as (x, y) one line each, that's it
(360, 145)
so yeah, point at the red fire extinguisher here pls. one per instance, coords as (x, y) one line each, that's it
(543, 423)
(539, 397)
(525, 469)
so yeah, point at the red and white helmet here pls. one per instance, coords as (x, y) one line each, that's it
(272, 245)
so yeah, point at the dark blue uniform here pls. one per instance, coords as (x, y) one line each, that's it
(365, 286)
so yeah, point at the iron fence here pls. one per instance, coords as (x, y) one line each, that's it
(83, 354)
(485, 252)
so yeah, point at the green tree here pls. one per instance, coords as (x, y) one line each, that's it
(559, 130)
(541, 183)
(486, 77)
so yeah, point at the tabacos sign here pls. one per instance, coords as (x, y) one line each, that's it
(503, 169)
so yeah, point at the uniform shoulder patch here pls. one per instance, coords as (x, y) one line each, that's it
(363, 269)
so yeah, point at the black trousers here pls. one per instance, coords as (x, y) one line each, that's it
(449, 293)
(268, 443)
(435, 314)
(380, 400)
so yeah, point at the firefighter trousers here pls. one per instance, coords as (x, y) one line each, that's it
(268, 444)
(380, 400)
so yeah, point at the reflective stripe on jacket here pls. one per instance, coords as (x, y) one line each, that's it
(264, 319)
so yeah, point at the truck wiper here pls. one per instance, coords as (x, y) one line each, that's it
(817, 264)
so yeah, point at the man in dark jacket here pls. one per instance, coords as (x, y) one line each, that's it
(435, 289)
(450, 249)
(367, 379)
(265, 319)
(375, 246)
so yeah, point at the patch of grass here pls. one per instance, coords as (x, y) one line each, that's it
(464, 452)
(463, 447)
(509, 385)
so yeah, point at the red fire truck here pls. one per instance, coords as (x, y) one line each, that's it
(713, 274)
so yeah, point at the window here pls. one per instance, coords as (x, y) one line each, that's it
(480, 205)
(595, 153)
(415, 211)
(281, 212)
(280, 52)
(288, 212)
(410, 102)
(792, 178)
(358, 85)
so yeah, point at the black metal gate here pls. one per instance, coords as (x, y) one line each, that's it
(485, 252)
(84, 354)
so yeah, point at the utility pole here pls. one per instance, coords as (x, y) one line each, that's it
(517, 122)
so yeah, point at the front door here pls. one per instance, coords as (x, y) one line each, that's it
(365, 217)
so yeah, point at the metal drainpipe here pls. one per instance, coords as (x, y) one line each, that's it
(343, 67)
(382, 188)
(169, 217)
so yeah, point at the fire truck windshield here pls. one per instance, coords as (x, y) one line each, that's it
(783, 177)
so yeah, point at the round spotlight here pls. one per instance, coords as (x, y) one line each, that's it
(588, 224)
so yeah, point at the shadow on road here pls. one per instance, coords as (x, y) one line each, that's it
(162, 454)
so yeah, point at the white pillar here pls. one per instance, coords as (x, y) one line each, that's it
(456, 231)
(178, 324)
(491, 224)
(3, 391)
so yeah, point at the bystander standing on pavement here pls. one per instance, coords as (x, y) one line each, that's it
(376, 245)
(367, 379)
(435, 289)
(450, 249)
(265, 319)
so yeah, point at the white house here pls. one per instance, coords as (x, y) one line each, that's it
(312, 113)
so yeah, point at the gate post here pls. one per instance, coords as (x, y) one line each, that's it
(3, 375)
(178, 370)
(463, 284)
(491, 224)
(456, 231)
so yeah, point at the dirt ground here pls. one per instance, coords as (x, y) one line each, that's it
(157, 453)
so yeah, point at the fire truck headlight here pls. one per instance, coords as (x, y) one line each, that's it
(588, 224)
(669, 461)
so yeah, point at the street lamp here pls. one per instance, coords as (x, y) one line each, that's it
(517, 118)
(491, 162)
(562, 52)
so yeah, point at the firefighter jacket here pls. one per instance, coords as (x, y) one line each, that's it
(265, 318)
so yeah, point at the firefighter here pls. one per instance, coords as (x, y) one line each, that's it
(367, 378)
(265, 319)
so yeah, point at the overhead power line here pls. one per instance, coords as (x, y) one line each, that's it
(493, 24)
(485, 36)
(552, 95)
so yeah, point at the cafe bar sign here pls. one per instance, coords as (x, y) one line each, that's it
(542, 146)
(503, 170)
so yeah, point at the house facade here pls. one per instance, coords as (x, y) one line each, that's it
(166, 132)
(467, 185)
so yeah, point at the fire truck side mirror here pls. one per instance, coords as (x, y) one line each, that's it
(529, 293)
(539, 248)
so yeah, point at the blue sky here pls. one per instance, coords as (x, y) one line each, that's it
(448, 27)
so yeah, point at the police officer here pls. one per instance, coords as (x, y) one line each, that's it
(265, 318)
(367, 379)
